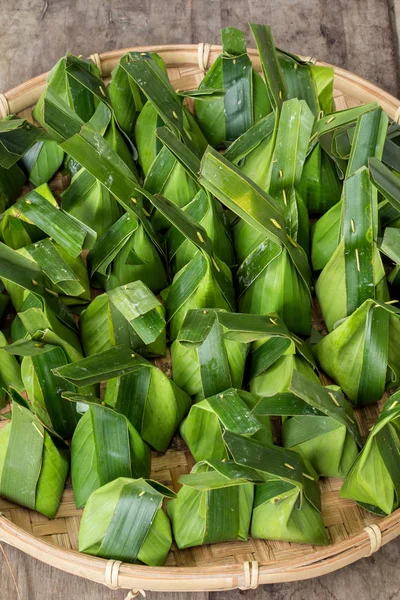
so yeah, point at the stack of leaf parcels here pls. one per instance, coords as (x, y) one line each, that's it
(184, 241)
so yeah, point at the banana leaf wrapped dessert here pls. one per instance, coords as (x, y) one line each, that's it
(87, 146)
(318, 422)
(124, 253)
(125, 96)
(163, 173)
(43, 160)
(105, 446)
(212, 348)
(124, 520)
(272, 361)
(355, 271)
(44, 388)
(17, 137)
(205, 281)
(136, 388)
(130, 315)
(274, 275)
(33, 464)
(10, 372)
(287, 505)
(245, 100)
(231, 410)
(364, 129)
(373, 480)
(214, 505)
(362, 354)
(205, 361)
(77, 82)
(203, 208)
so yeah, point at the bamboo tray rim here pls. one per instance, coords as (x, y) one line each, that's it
(242, 575)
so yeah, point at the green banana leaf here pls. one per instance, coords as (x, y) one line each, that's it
(320, 186)
(204, 209)
(42, 161)
(373, 481)
(203, 428)
(63, 273)
(388, 185)
(252, 151)
(204, 362)
(355, 272)
(126, 98)
(87, 146)
(291, 145)
(33, 465)
(325, 236)
(129, 315)
(35, 321)
(17, 136)
(124, 520)
(289, 77)
(214, 505)
(125, 254)
(212, 346)
(274, 275)
(136, 388)
(287, 506)
(367, 141)
(164, 175)
(245, 100)
(40, 209)
(318, 422)
(44, 389)
(105, 446)
(90, 202)
(205, 282)
(10, 372)
(23, 277)
(362, 354)
(273, 360)
(78, 83)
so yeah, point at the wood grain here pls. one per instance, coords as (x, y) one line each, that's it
(361, 35)
(354, 34)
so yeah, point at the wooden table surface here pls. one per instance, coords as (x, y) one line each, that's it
(359, 35)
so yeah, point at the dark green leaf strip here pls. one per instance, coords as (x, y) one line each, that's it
(358, 239)
(23, 459)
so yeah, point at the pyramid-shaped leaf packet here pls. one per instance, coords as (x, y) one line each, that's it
(362, 354)
(33, 464)
(203, 428)
(136, 388)
(374, 479)
(105, 446)
(318, 422)
(129, 314)
(124, 520)
(287, 506)
(214, 505)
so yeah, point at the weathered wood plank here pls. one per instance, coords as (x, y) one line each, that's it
(373, 578)
(37, 581)
(356, 35)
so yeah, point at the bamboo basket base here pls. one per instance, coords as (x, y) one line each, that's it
(343, 518)
(352, 531)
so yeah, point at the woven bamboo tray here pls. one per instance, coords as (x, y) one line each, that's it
(353, 532)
